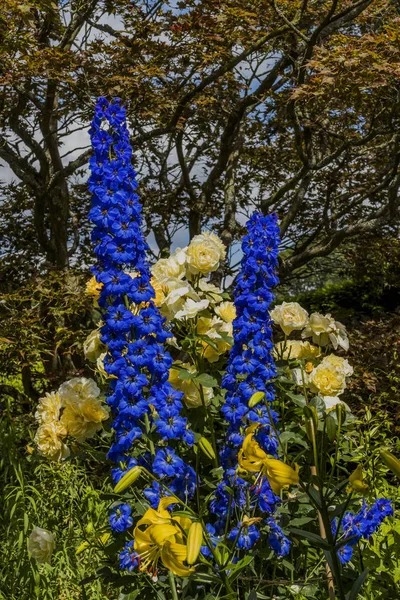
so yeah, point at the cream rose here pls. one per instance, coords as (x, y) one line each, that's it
(93, 346)
(174, 266)
(290, 316)
(76, 390)
(49, 442)
(83, 420)
(205, 253)
(210, 291)
(49, 408)
(191, 308)
(227, 311)
(41, 544)
(324, 329)
(176, 292)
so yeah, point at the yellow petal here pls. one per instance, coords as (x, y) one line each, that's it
(172, 556)
(160, 533)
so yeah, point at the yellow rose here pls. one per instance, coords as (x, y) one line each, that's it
(83, 420)
(93, 346)
(192, 397)
(160, 291)
(290, 316)
(49, 442)
(289, 349)
(204, 253)
(212, 328)
(48, 409)
(93, 288)
(340, 363)
(328, 378)
(227, 311)
(296, 349)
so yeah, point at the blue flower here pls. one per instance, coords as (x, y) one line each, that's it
(120, 518)
(167, 463)
(345, 553)
(128, 558)
(279, 543)
(244, 536)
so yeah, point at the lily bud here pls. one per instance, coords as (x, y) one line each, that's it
(81, 548)
(391, 462)
(127, 480)
(256, 398)
(206, 447)
(194, 542)
(356, 481)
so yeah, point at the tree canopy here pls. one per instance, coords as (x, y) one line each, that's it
(282, 105)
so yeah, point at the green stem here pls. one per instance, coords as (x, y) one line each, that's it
(171, 578)
(147, 425)
(210, 420)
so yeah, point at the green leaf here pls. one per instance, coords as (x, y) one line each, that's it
(185, 375)
(299, 521)
(313, 538)
(205, 578)
(298, 399)
(236, 568)
(353, 594)
(290, 436)
(206, 380)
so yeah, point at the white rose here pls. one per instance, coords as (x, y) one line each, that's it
(290, 316)
(41, 544)
(191, 308)
(332, 401)
(93, 346)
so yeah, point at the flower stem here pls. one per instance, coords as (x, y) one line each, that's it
(171, 578)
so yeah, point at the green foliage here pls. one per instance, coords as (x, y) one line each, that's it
(65, 498)
(43, 326)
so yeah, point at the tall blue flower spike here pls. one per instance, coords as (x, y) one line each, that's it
(141, 398)
(251, 369)
(361, 525)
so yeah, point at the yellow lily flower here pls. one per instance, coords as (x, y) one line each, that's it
(279, 474)
(356, 481)
(252, 458)
(160, 536)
